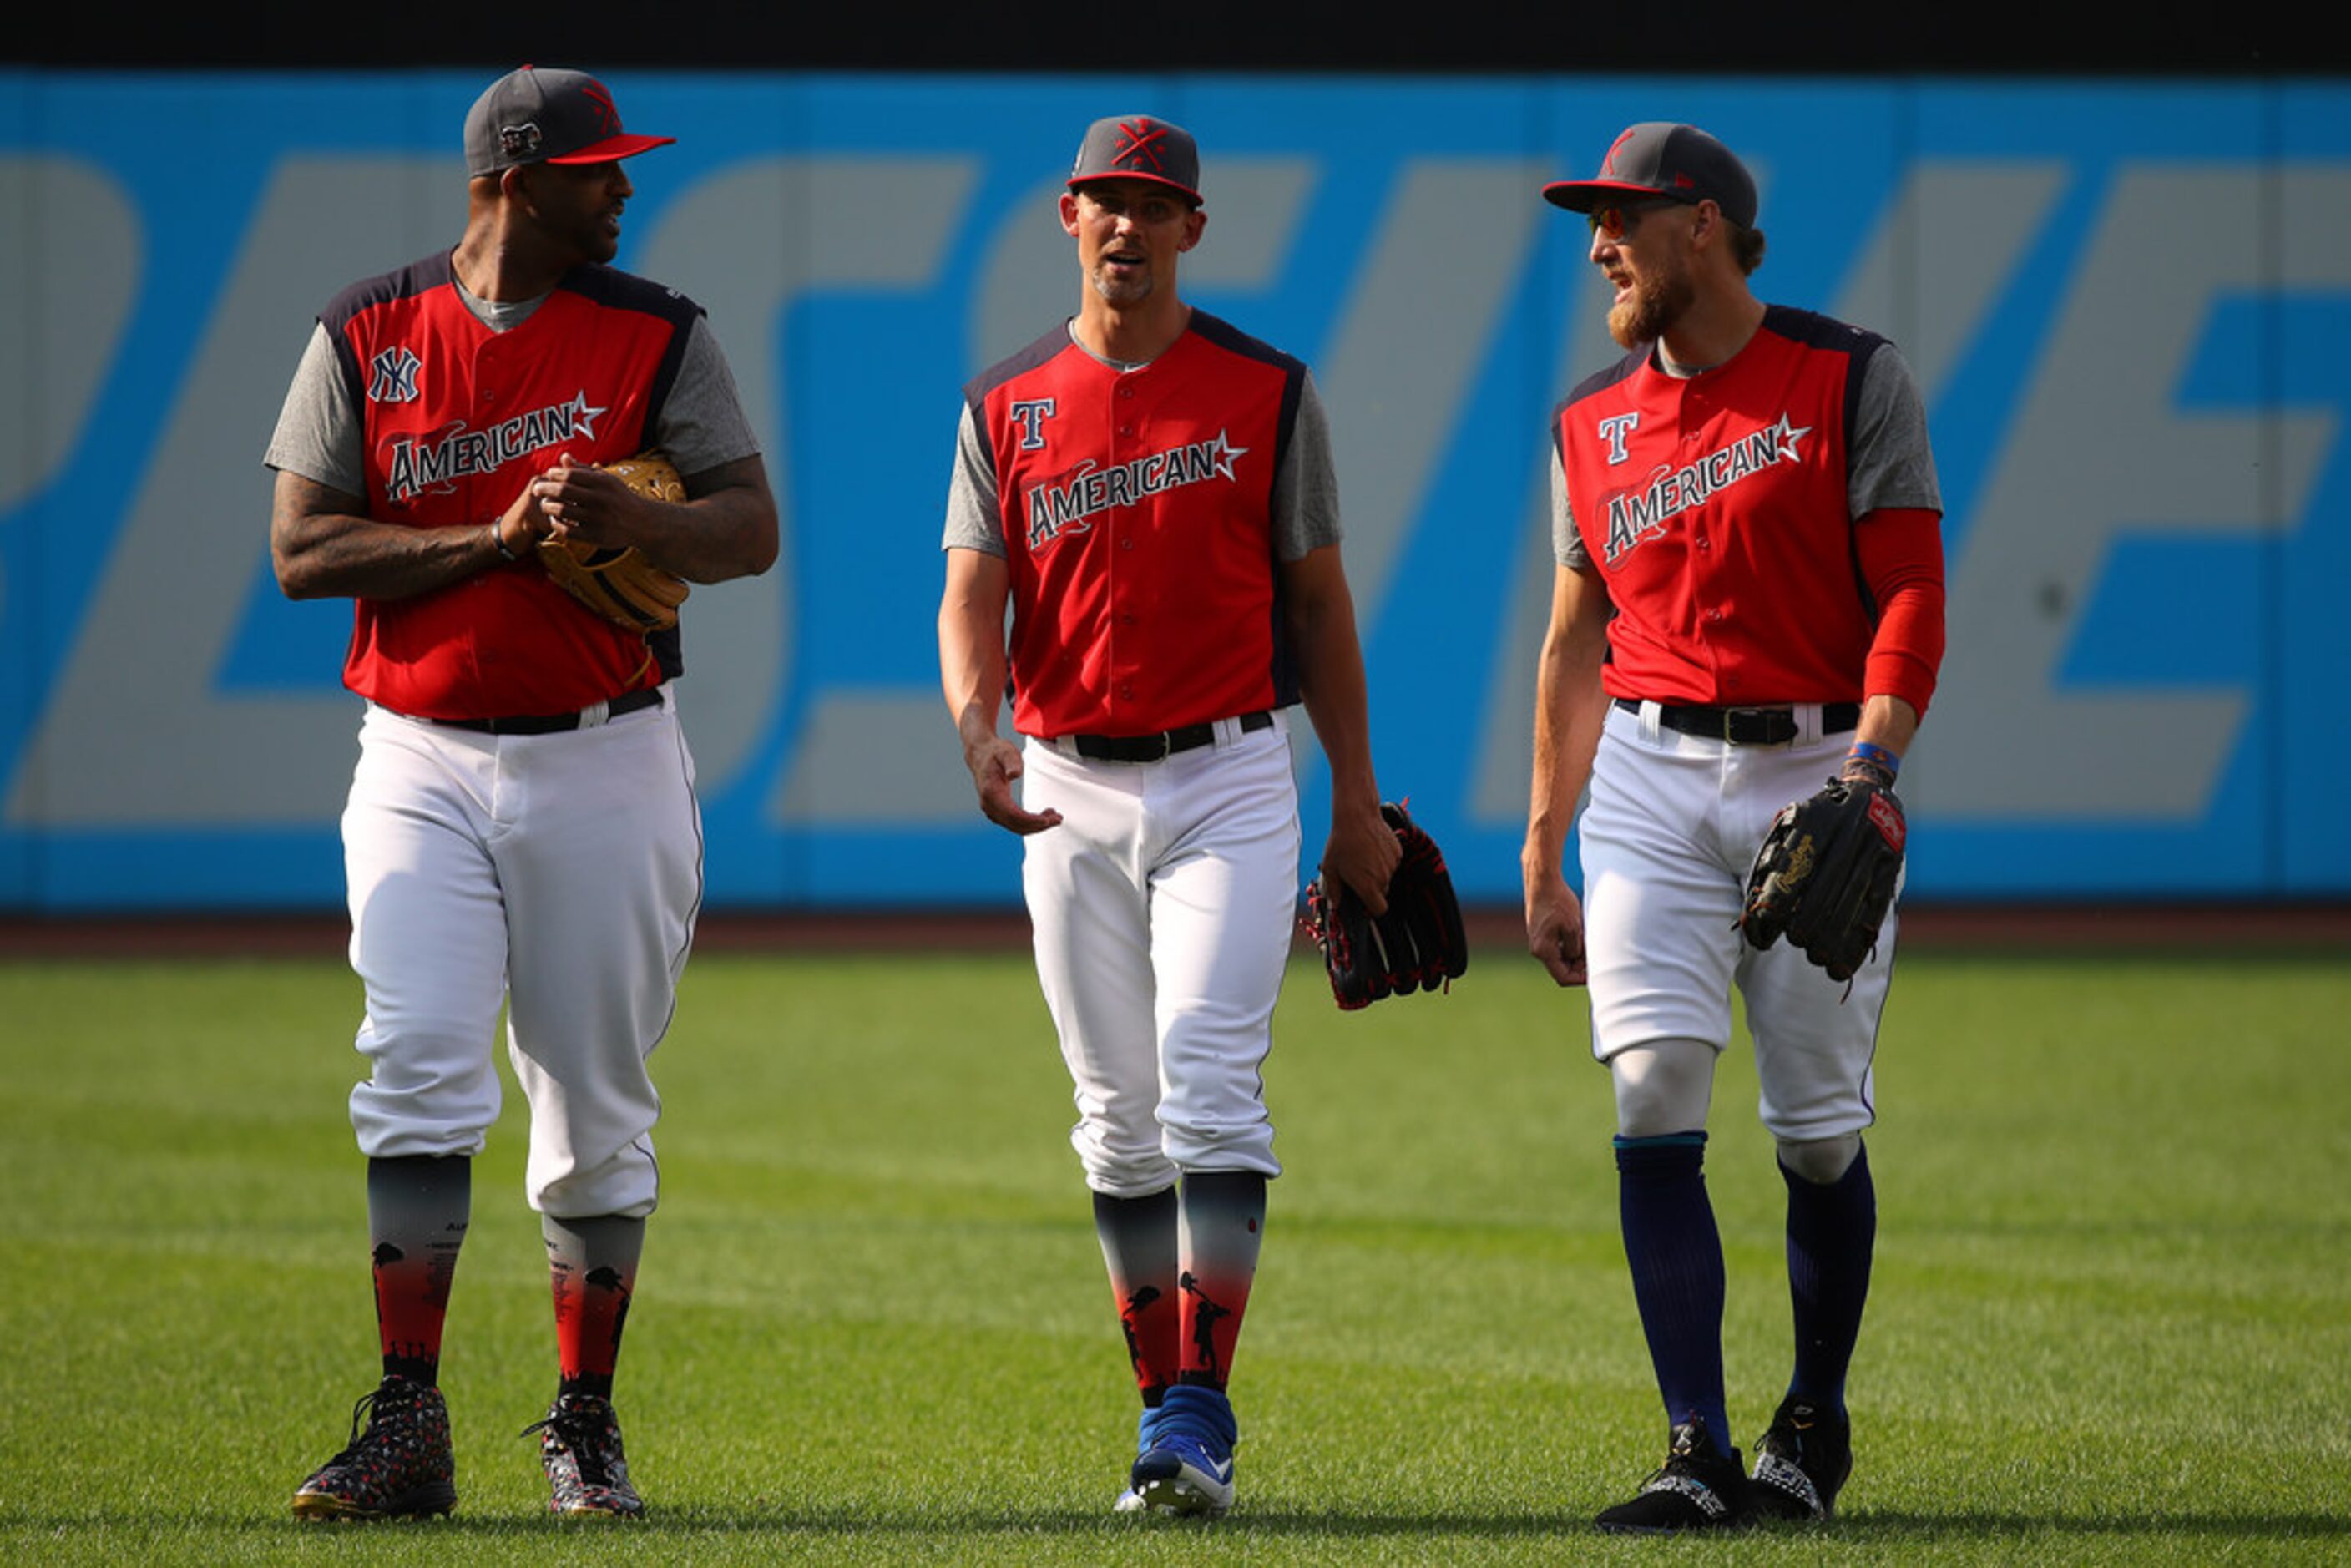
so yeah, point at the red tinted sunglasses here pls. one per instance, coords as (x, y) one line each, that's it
(1615, 220)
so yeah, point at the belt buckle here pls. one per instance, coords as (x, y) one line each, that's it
(1166, 739)
(1764, 724)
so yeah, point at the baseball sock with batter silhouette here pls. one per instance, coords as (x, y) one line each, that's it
(593, 1271)
(418, 1208)
(1222, 1225)
(1138, 1247)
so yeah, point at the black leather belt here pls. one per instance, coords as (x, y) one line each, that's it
(1166, 743)
(1746, 726)
(554, 722)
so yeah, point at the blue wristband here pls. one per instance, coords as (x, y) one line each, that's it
(1876, 757)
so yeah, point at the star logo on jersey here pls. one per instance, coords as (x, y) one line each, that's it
(1069, 504)
(1637, 515)
(1224, 454)
(391, 376)
(583, 418)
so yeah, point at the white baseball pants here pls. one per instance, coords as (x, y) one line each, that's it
(1162, 906)
(1665, 841)
(560, 874)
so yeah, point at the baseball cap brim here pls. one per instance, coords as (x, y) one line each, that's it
(615, 147)
(1582, 195)
(1189, 194)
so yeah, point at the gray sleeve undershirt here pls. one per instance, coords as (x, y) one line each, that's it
(1566, 543)
(317, 434)
(973, 522)
(1893, 463)
(1306, 487)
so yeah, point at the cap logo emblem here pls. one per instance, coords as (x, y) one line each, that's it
(522, 141)
(608, 116)
(1141, 147)
(1608, 165)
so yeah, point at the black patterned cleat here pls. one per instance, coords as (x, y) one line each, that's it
(1801, 1460)
(398, 1465)
(587, 1473)
(1695, 1488)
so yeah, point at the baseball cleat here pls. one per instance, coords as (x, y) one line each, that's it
(1182, 1475)
(587, 1473)
(1146, 1438)
(1695, 1488)
(398, 1466)
(1801, 1460)
(1188, 1467)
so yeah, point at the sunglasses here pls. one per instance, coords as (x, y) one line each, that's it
(1615, 220)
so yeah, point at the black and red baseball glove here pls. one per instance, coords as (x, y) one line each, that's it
(1416, 946)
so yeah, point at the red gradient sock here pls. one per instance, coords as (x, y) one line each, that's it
(1138, 1245)
(418, 1208)
(591, 1267)
(1221, 1226)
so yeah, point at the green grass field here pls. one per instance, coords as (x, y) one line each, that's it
(2111, 1321)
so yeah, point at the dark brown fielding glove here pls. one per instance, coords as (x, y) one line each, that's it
(622, 585)
(1416, 946)
(1826, 873)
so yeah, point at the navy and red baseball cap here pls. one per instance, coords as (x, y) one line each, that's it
(1658, 157)
(531, 116)
(1139, 147)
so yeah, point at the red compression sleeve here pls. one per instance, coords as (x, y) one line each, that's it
(1901, 551)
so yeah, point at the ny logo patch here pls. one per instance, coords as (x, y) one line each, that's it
(391, 376)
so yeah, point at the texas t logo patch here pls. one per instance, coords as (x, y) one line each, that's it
(1613, 430)
(1030, 414)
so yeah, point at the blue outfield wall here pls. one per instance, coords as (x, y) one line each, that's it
(2128, 307)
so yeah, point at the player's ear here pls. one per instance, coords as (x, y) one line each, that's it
(1708, 226)
(1070, 213)
(1194, 221)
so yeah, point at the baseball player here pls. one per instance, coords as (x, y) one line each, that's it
(1748, 600)
(1152, 493)
(522, 829)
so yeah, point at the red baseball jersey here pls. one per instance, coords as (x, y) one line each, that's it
(1137, 510)
(458, 418)
(1720, 510)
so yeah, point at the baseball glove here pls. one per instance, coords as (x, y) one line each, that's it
(1416, 946)
(1827, 872)
(620, 584)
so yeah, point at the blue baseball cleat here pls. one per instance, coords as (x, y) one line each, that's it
(1188, 1465)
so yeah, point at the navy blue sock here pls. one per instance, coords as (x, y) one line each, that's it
(1832, 1233)
(1675, 1254)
